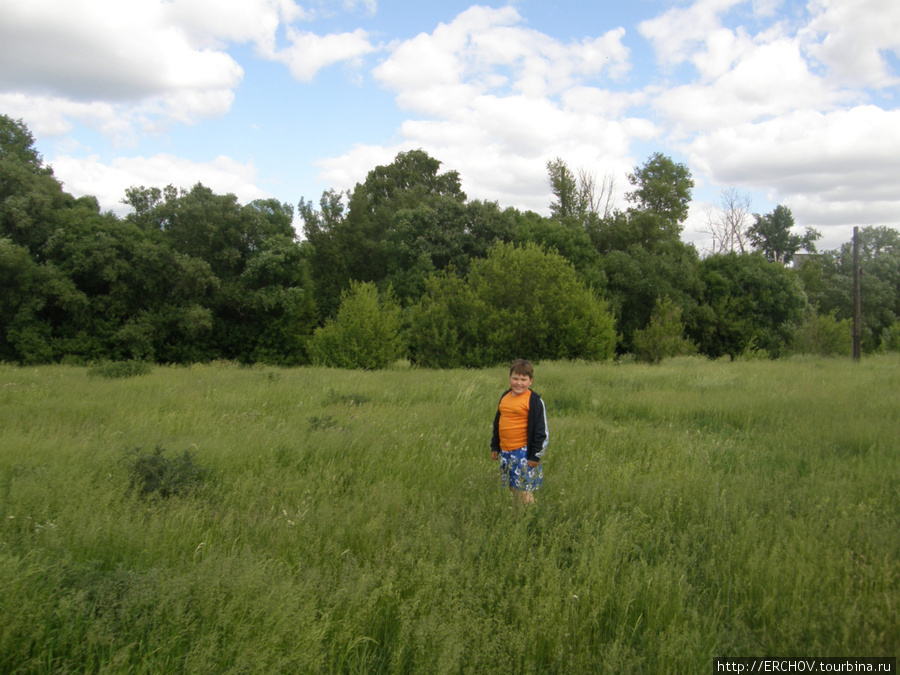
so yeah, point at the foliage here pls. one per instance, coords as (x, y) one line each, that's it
(823, 336)
(879, 260)
(663, 188)
(518, 302)
(366, 333)
(664, 337)
(119, 369)
(570, 201)
(771, 235)
(189, 276)
(446, 326)
(193, 276)
(638, 275)
(747, 299)
(407, 207)
(159, 474)
(890, 339)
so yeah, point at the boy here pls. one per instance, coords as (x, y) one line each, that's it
(520, 434)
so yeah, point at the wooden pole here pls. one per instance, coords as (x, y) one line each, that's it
(857, 299)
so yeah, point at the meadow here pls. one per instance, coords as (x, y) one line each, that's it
(319, 520)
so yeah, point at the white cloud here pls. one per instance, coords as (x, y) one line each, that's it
(108, 181)
(676, 33)
(499, 100)
(830, 168)
(761, 112)
(484, 50)
(768, 80)
(849, 37)
(104, 50)
(216, 23)
(126, 68)
(309, 53)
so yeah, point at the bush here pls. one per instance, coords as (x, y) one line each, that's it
(366, 333)
(890, 338)
(664, 337)
(158, 474)
(519, 302)
(118, 369)
(446, 328)
(824, 336)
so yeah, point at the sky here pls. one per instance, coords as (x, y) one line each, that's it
(784, 101)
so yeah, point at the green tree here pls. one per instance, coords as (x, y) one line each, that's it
(517, 301)
(664, 336)
(747, 300)
(330, 246)
(447, 327)
(890, 338)
(35, 300)
(772, 236)
(366, 333)
(662, 187)
(261, 306)
(30, 196)
(569, 202)
(642, 256)
(832, 287)
(640, 273)
(823, 336)
(359, 241)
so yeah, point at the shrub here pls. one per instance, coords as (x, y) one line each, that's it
(158, 474)
(366, 333)
(753, 352)
(518, 302)
(664, 337)
(118, 369)
(824, 335)
(890, 338)
(446, 326)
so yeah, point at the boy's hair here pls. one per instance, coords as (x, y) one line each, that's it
(522, 367)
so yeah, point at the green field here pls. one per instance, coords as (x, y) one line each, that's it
(353, 521)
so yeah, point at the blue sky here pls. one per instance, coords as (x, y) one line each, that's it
(781, 100)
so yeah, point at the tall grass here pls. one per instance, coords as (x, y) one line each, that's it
(353, 521)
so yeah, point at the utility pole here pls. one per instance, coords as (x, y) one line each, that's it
(857, 299)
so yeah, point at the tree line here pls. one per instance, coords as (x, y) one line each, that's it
(404, 265)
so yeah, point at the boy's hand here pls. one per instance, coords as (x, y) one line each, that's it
(532, 464)
(495, 455)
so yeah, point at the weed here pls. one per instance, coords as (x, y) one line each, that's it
(120, 369)
(322, 422)
(159, 474)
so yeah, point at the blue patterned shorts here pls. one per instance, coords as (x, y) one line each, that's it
(517, 474)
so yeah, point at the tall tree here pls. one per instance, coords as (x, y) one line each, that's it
(30, 196)
(409, 197)
(879, 258)
(262, 307)
(662, 187)
(518, 300)
(728, 222)
(747, 300)
(579, 199)
(568, 203)
(772, 236)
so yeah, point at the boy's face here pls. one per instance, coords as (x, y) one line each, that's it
(519, 383)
